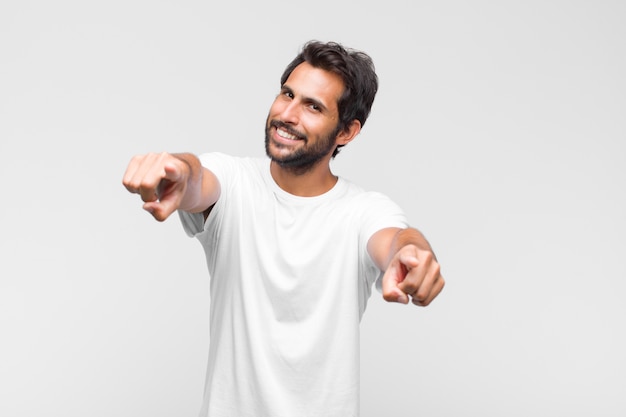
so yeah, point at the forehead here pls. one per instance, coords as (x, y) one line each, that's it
(315, 83)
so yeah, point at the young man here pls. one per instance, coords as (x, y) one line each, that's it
(292, 250)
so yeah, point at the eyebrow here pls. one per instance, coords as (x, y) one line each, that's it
(311, 100)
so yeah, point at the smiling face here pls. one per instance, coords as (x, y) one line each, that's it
(301, 127)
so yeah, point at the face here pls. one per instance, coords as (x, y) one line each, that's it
(301, 127)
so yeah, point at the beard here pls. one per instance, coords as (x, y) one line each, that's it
(305, 157)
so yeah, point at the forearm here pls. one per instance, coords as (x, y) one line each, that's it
(385, 243)
(202, 189)
(409, 236)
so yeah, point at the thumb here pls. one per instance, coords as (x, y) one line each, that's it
(160, 210)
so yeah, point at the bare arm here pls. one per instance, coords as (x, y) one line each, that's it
(169, 182)
(410, 266)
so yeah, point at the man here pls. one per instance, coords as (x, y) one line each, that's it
(292, 250)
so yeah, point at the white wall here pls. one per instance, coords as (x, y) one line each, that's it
(499, 127)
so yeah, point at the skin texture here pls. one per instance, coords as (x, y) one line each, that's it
(168, 182)
(301, 134)
(411, 268)
(307, 108)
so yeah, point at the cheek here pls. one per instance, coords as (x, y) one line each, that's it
(277, 107)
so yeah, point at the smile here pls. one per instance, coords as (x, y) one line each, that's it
(284, 134)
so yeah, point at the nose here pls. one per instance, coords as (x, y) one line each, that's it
(290, 113)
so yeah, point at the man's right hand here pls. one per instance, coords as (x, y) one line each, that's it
(160, 179)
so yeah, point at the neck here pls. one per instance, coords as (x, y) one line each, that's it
(310, 183)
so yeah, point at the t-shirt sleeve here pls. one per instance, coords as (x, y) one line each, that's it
(380, 213)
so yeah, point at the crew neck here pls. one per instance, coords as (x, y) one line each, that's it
(336, 189)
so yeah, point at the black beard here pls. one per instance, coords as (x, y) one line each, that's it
(305, 158)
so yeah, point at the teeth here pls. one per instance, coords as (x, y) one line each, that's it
(286, 135)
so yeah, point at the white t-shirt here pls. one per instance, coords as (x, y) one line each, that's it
(290, 280)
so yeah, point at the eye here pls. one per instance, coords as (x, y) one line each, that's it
(314, 106)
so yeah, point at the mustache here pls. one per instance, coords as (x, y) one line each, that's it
(283, 126)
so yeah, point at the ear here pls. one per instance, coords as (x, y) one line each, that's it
(345, 136)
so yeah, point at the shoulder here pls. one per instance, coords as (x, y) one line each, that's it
(367, 199)
(225, 165)
(372, 210)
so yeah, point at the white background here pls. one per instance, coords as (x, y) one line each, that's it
(499, 127)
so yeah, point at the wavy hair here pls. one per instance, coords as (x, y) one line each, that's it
(356, 70)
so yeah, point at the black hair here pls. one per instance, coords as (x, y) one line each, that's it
(356, 70)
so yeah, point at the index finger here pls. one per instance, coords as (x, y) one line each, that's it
(416, 275)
